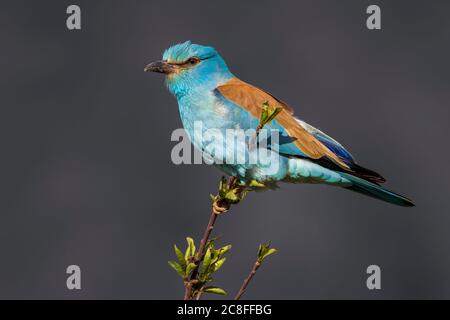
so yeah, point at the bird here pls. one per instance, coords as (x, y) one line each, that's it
(208, 93)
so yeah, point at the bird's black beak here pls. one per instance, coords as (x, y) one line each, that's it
(160, 67)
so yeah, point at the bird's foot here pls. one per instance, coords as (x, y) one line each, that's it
(230, 192)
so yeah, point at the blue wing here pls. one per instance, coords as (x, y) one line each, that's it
(337, 148)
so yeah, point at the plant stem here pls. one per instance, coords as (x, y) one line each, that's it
(200, 253)
(199, 295)
(206, 234)
(188, 291)
(254, 138)
(220, 205)
(247, 280)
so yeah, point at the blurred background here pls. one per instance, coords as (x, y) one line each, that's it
(86, 174)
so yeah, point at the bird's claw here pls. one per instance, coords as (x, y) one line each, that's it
(219, 207)
(230, 192)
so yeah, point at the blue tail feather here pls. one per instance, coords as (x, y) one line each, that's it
(373, 190)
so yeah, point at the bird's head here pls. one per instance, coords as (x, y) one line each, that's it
(187, 66)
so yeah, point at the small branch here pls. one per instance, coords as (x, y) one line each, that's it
(218, 206)
(188, 290)
(264, 251)
(247, 280)
(199, 256)
(206, 234)
(254, 138)
(199, 295)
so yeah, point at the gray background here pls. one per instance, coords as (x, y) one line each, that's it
(86, 175)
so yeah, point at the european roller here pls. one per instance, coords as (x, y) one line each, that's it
(208, 93)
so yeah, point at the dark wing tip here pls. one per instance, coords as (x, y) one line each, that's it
(367, 174)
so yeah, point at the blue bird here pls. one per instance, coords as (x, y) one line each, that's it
(207, 92)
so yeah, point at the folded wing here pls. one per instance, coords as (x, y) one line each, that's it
(312, 142)
(252, 99)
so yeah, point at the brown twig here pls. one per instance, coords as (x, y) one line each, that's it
(199, 256)
(218, 207)
(247, 280)
(254, 138)
(199, 295)
(188, 290)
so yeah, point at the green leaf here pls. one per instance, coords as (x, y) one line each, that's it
(264, 112)
(269, 252)
(256, 184)
(180, 257)
(223, 184)
(218, 264)
(210, 243)
(261, 250)
(265, 251)
(273, 114)
(204, 279)
(232, 197)
(215, 290)
(224, 249)
(190, 251)
(207, 260)
(190, 267)
(177, 268)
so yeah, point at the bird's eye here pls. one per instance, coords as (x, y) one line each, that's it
(193, 61)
